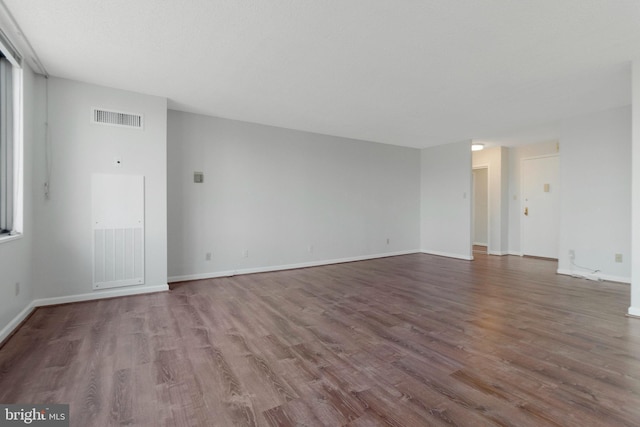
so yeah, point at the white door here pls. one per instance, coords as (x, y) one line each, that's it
(540, 213)
(480, 206)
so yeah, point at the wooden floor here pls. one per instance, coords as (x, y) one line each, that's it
(412, 340)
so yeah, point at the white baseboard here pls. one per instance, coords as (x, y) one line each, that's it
(15, 322)
(448, 255)
(499, 253)
(515, 253)
(111, 293)
(634, 311)
(227, 273)
(480, 244)
(598, 275)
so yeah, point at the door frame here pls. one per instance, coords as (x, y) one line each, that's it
(473, 204)
(522, 206)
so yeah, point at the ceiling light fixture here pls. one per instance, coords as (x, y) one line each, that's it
(477, 146)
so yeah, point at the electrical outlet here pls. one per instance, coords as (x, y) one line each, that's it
(310, 248)
(572, 254)
(618, 257)
(17, 288)
(245, 253)
(207, 256)
(388, 240)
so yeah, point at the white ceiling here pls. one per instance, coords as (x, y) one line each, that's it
(411, 72)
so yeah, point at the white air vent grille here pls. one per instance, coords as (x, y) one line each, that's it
(118, 257)
(117, 118)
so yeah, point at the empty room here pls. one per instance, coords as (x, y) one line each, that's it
(328, 213)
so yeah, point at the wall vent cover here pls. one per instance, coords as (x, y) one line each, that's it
(117, 118)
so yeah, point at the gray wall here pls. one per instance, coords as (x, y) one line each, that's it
(283, 197)
(63, 254)
(445, 212)
(595, 180)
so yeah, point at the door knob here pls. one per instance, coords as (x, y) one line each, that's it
(526, 211)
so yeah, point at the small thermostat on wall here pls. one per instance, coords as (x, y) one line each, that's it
(198, 177)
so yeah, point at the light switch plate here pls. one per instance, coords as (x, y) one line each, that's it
(198, 177)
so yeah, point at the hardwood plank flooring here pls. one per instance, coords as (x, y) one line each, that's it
(413, 340)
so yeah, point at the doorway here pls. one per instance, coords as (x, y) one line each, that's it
(480, 209)
(540, 224)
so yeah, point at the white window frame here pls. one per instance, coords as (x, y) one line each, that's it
(15, 147)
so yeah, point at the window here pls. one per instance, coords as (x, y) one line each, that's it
(7, 157)
(10, 139)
